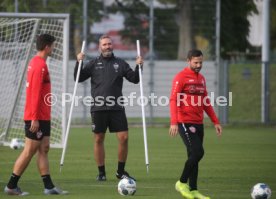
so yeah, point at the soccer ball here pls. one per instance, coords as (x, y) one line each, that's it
(16, 143)
(127, 187)
(260, 191)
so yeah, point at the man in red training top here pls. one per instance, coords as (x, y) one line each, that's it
(188, 102)
(37, 118)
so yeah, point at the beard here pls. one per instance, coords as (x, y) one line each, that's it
(107, 53)
(197, 70)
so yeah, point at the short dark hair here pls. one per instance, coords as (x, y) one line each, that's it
(104, 37)
(44, 40)
(194, 53)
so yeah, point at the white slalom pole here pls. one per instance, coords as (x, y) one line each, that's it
(71, 109)
(143, 109)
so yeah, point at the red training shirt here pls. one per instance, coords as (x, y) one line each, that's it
(189, 99)
(38, 87)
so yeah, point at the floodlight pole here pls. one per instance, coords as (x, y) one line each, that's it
(16, 6)
(265, 64)
(151, 58)
(84, 35)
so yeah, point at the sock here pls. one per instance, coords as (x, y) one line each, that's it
(12, 184)
(183, 181)
(101, 170)
(48, 184)
(121, 167)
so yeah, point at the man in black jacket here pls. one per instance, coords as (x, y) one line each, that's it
(107, 73)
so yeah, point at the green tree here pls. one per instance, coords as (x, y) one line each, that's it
(136, 24)
(73, 7)
(136, 20)
(192, 21)
(177, 28)
(235, 25)
(273, 25)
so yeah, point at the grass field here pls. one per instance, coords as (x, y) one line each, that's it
(232, 164)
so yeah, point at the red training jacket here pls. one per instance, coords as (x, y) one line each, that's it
(189, 99)
(38, 87)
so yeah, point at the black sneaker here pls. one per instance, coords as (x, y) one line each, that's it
(101, 177)
(124, 174)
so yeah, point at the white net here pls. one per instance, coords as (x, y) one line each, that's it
(17, 41)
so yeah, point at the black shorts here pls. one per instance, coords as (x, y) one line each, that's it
(116, 121)
(44, 130)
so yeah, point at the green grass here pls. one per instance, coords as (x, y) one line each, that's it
(232, 164)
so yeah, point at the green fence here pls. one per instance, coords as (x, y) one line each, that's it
(244, 81)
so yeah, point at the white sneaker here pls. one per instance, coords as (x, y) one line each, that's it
(15, 191)
(55, 191)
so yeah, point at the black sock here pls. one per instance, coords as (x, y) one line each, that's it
(13, 181)
(101, 170)
(121, 167)
(48, 184)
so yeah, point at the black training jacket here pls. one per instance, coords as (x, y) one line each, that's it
(106, 81)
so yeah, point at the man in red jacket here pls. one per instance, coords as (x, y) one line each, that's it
(37, 117)
(188, 102)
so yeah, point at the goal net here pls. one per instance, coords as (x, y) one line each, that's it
(18, 32)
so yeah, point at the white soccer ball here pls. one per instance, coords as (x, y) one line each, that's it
(127, 187)
(16, 143)
(260, 191)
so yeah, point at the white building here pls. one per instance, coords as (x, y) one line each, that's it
(255, 34)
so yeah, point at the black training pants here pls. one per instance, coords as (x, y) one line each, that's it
(192, 136)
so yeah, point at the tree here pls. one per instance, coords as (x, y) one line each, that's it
(136, 24)
(273, 25)
(178, 26)
(184, 21)
(74, 7)
(195, 21)
(235, 25)
(136, 20)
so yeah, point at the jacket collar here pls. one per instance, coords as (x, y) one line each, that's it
(190, 71)
(107, 58)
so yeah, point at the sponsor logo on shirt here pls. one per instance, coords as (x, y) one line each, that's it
(99, 65)
(195, 89)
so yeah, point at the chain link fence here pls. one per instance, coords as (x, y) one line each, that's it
(176, 29)
(243, 80)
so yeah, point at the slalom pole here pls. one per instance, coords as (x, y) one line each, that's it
(71, 110)
(143, 108)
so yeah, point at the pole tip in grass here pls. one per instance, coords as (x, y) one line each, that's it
(60, 168)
